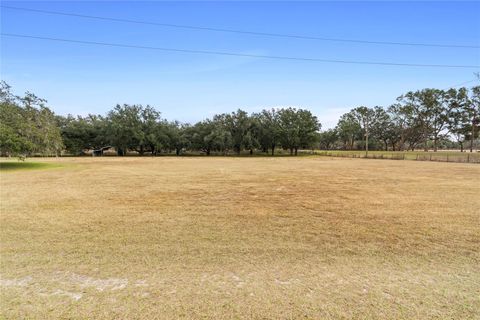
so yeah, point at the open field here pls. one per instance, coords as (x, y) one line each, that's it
(262, 238)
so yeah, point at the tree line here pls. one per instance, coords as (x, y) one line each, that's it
(141, 129)
(421, 118)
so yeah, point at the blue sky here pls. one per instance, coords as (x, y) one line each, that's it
(82, 79)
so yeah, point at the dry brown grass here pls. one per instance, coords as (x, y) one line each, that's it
(279, 238)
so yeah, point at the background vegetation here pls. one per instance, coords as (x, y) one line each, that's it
(428, 119)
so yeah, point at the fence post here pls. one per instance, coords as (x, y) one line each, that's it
(468, 157)
(430, 157)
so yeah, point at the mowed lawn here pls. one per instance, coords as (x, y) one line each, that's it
(241, 238)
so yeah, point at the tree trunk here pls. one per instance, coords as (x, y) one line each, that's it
(472, 138)
(461, 146)
(273, 150)
(142, 150)
(208, 152)
(177, 151)
(291, 151)
(251, 151)
(435, 139)
(366, 144)
(296, 150)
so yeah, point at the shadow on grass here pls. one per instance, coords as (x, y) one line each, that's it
(13, 166)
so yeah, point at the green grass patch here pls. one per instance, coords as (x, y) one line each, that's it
(18, 165)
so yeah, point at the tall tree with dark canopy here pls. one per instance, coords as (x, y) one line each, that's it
(268, 135)
(473, 112)
(348, 130)
(458, 115)
(328, 138)
(239, 125)
(298, 128)
(27, 125)
(364, 117)
(83, 133)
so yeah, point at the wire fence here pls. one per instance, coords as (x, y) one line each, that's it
(457, 157)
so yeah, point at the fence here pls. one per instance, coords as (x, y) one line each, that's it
(458, 157)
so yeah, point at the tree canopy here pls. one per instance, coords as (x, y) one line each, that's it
(427, 118)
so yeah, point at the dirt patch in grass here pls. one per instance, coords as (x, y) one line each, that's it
(252, 238)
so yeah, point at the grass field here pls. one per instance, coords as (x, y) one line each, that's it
(246, 238)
